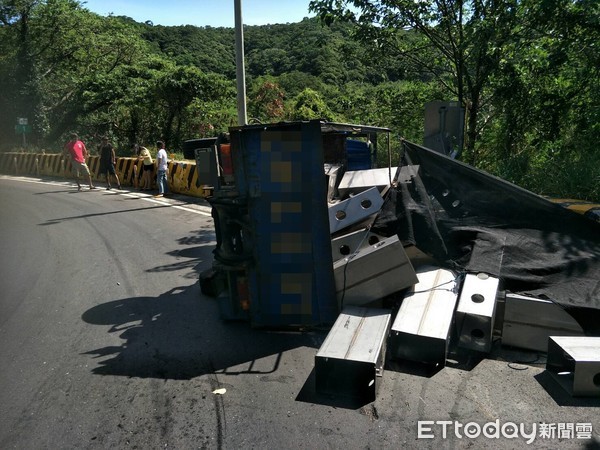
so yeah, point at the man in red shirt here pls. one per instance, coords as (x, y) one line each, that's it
(77, 151)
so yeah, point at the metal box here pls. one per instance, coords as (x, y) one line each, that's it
(373, 273)
(421, 329)
(529, 322)
(476, 310)
(348, 244)
(574, 361)
(354, 209)
(361, 180)
(352, 357)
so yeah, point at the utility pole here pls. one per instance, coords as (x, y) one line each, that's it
(239, 64)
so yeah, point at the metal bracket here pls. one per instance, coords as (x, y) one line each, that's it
(354, 209)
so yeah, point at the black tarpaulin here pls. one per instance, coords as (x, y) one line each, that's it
(472, 221)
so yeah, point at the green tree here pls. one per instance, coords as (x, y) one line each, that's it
(175, 91)
(547, 113)
(458, 42)
(266, 100)
(207, 48)
(308, 105)
(74, 61)
(19, 90)
(269, 61)
(93, 74)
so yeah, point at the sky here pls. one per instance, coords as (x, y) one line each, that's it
(215, 13)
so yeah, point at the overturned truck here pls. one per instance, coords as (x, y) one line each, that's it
(409, 259)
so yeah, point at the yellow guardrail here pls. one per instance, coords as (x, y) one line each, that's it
(182, 179)
(182, 176)
(587, 209)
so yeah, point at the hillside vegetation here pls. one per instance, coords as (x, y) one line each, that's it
(526, 72)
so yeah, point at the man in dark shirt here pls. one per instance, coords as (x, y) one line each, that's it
(107, 162)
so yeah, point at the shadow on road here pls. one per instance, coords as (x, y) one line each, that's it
(103, 213)
(69, 191)
(180, 335)
(561, 396)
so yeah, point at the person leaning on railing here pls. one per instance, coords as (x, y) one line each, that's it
(147, 169)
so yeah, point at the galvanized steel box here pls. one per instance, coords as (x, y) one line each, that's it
(352, 357)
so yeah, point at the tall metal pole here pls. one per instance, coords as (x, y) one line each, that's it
(239, 64)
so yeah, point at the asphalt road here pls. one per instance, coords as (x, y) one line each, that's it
(107, 342)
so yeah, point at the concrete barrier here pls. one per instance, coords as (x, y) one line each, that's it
(182, 175)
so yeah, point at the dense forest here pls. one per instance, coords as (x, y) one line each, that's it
(526, 73)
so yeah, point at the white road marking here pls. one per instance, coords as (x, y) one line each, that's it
(198, 209)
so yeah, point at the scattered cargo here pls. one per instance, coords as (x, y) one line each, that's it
(311, 233)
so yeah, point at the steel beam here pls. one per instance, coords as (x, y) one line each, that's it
(476, 312)
(351, 359)
(574, 362)
(421, 329)
(373, 273)
(354, 182)
(529, 322)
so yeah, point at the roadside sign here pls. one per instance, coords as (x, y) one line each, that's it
(22, 129)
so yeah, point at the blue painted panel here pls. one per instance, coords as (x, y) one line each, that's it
(292, 275)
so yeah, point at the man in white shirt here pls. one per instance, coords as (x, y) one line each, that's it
(161, 174)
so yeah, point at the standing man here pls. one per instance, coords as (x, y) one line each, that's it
(107, 162)
(77, 151)
(161, 176)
